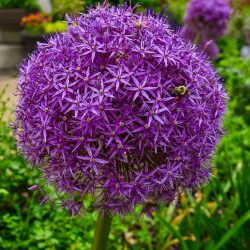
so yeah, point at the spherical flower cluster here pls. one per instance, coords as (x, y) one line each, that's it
(120, 107)
(206, 20)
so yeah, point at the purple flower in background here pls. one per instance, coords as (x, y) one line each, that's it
(206, 20)
(211, 48)
(121, 107)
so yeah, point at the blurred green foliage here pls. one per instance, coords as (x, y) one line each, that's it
(61, 7)
(178, 9)
(29, 5)
(57, 26)
(46, 28)
(236, 74)
(215, 217)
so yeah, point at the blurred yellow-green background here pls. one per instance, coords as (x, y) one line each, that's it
(214, 217)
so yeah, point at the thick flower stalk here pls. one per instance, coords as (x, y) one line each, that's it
(120, 107)
(206, 20)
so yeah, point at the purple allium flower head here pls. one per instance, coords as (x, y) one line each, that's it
(211, 17)
(207, 19)
(120, 107)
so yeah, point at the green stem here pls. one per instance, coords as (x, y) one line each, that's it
(102, 231)
(198, 38)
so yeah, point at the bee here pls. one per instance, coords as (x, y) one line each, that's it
(180, 90)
